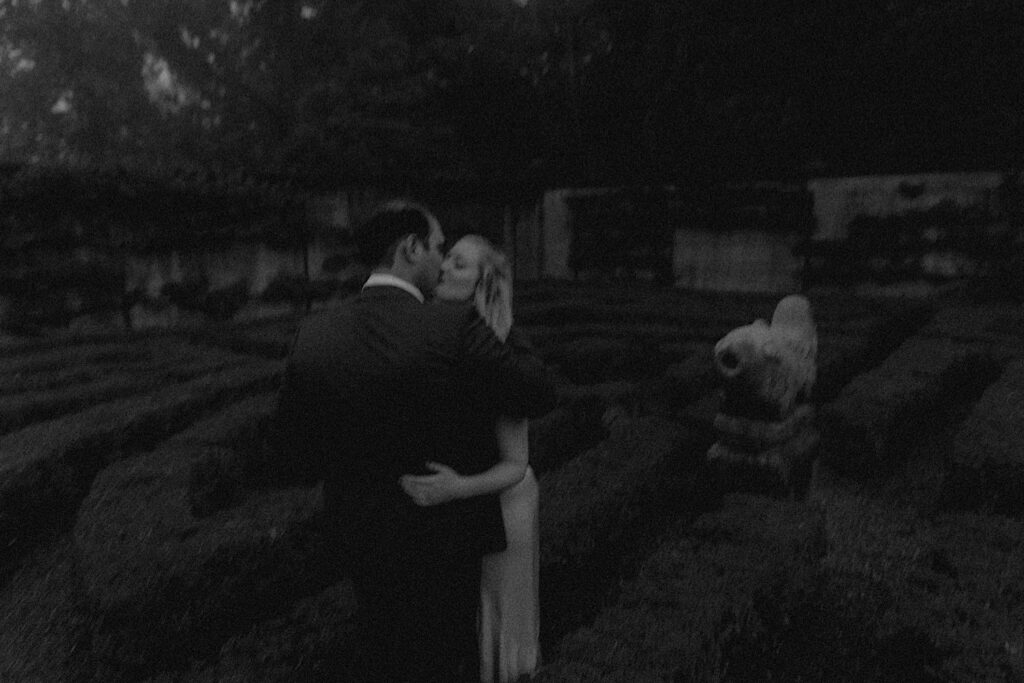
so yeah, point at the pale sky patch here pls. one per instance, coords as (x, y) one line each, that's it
(240, 10)
(163, 88)
(64, 103)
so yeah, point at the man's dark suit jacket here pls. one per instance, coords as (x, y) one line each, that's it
(383, 384)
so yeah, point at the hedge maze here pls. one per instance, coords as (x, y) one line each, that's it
(148, 534)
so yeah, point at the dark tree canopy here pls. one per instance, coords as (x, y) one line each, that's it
(321, 92)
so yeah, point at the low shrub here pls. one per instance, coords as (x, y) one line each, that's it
(598, 359)
(270, 338)
(996, 326)
(660, 306)
(561, 435)
(840, 359)
(215, 482)
(910, 597)
(46, 469)
(731, 576)
(22, 409)
(1000, 278)
(310, 643)
(26, 368)
(1010, 324)
(21, 383)
(45, 634)
(600, 511)
(977, 569)
(180, 585)
(586, 413)
(868, 422)
(178, 551)
(674, 341)
(681, 384)
(988, 451)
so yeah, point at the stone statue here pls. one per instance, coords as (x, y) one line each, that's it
(765, 419)
(772, 365)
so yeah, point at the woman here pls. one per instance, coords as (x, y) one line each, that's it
(509, 624)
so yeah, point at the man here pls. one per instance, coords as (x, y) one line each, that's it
(373, 390)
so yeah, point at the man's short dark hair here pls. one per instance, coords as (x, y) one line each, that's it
(379, 236)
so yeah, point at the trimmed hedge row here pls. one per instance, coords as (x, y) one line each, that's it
(55, 359)
(307, 644)
(983, 584)
(600, 513)
(712, 588)
(846, 354)
(650, 334)
(681, 384)
(269, 341)
(46, 469)
(840, 359)
(681, 338)
(598, 359)
(638, 304)
(177, 550)
(585, 413)
(70, 368)
(590, 303)
(45, 637)
(708, 330)
(575, 424)
(988, 451)
(17, 383)
(22, 409)
(20, 345)
(998, 330)
(978, 322)
(644, 314)
(868, 422)
(920, 598)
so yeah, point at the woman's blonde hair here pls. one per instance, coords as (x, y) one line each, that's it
(493, 294)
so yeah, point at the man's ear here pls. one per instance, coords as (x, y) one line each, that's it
(410, 248)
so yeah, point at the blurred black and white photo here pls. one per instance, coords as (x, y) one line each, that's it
(508, 340)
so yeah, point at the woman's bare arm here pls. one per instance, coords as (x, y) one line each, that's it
(446, 484)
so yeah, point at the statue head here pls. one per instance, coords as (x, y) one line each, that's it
(767, 367)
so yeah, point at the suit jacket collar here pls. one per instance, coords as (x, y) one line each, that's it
(388, 280)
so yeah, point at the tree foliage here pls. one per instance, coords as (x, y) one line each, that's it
(556, 91)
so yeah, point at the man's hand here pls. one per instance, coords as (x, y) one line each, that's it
(432, 489)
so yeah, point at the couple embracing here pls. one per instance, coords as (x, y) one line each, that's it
(411, 400)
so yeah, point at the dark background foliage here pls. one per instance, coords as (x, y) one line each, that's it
(557, 91)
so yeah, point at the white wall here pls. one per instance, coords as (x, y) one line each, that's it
(555, 244)
(838, 201)
(739, 260)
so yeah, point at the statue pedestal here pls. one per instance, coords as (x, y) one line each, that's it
(766, 456)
